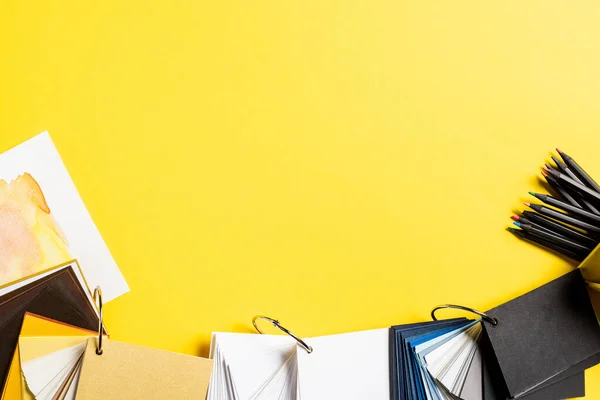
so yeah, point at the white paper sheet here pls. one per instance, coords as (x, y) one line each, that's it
(45, 239)
(449, 363)
(249, 366)
(265, 367)
(348, 366)
(44, 375)
(473, 387)
(423, 349)
(72, 391)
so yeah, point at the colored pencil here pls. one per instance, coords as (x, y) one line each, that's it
(563, 217)
(560, 241)
(570, 224)
(584, 190)
(565, 170)
(562, 167)
(539, 241)
(565, 206)
(525, 220)
(558, 228)
(554, 185)
(572, 164)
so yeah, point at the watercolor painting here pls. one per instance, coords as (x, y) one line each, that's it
(31, 239)
(44, 222)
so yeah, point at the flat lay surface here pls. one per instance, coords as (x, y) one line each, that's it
(340, 166)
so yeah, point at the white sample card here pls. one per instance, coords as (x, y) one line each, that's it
(348, 366)
(264, 367)
(45, 222)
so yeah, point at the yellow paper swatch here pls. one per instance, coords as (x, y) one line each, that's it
(34, 325)
(126, 371)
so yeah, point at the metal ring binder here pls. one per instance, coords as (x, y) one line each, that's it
(277, 325)
(483, 316)
(98, 298)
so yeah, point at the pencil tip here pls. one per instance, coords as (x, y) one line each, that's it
(559, 152)
(532, 193)
(527, 204)
(515, 217)
(544, 174)
(546, 168)
(517, 224)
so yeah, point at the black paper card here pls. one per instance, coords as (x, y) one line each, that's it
(58, 296)
(568, 388)
(544, 336)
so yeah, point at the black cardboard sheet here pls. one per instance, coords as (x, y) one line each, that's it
(58, 296)
(545, 337)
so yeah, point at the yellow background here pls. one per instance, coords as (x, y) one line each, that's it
(340, 165)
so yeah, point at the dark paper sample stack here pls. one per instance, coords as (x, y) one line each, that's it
(535, 347)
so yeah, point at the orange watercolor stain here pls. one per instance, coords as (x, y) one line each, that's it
(30, 238)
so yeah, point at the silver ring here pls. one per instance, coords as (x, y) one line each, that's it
(484, 316)
(98, 298)
(277, 325)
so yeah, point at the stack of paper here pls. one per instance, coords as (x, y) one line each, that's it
(538, 350)
(253, 367)
(48, 319)
(50, 366)
(45, 228)
(346, 366)
(56, 361)
(543, 343)
(40, 331)
(58, 295)
(126, 371)
(44, 359)
(436, 360)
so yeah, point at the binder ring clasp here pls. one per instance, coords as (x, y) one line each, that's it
(484, 316)
(277, 325)
(98, 299)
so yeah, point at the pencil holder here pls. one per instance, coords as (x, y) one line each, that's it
(590, 268)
